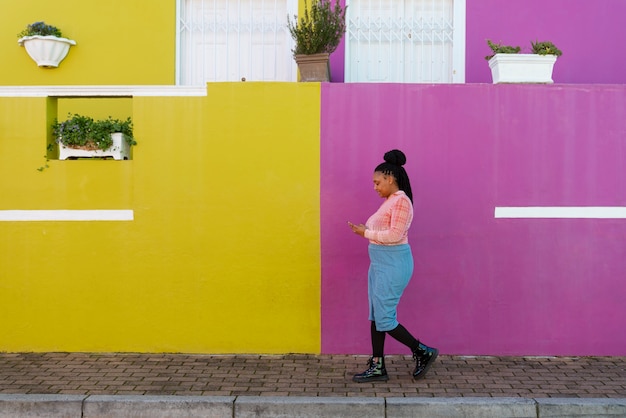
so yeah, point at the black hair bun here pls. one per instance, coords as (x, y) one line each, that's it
(395, 157)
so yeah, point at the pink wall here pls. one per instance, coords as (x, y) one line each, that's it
(588, 33)
(481, 285)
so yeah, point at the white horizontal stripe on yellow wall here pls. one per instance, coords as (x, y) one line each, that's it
(66, 215)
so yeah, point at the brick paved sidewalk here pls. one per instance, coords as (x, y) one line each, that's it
(308, 375)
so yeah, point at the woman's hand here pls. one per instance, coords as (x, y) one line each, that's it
(357, 229)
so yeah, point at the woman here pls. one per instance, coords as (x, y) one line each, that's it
(391, 267)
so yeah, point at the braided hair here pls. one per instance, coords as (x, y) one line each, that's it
(394, 160)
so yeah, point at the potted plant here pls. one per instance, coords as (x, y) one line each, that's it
(316, 35)
(501, 49)
(545, 48)
(45, 44)
(509, 66)
(82, 136)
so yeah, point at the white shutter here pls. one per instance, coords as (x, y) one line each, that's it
(226, 40)
(405, 41)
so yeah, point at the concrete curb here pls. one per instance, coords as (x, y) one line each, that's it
(41, 406)
(580, 407)
(461, 407)
(70, 406)
(308, 407)
(139, 406)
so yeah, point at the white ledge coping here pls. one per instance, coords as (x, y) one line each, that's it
(565, 212)
(103, 91)
(66, 215)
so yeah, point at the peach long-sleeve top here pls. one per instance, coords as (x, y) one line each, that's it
(390, 224)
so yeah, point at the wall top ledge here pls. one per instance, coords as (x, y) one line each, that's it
(101, 91)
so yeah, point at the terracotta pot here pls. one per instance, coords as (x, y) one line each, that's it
(313, 67)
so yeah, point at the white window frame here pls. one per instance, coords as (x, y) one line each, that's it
(288, 68)
(458, 48)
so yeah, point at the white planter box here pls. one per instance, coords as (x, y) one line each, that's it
(46, 51)
(522, 68)
(120, 150)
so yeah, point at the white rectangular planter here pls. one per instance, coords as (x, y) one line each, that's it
(522, 68)
(120, 150)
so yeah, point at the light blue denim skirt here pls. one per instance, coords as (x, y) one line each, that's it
(391, 267)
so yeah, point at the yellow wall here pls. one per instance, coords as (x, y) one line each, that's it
(118, 42)
(223, 253)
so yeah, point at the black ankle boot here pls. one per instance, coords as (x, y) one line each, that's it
(424, 358)
(375, 372)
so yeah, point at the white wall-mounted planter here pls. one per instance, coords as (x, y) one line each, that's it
(46, 51)
(120, 150)
(522, 68)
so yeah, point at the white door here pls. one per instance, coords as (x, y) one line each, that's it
(405, 41)
(231, 40)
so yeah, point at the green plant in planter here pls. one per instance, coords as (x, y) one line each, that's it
(539, 48)
(545, 48)
(86, 133)
(41, 29)
(320, 29)
(501, 49)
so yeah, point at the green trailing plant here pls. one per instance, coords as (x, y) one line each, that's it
(49, 148)
(320, 29)
(41, 29)
(501, 49)
(84, 132)
(546, 48)
(43, 167)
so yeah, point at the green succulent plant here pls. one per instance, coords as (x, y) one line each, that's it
(546, 48)
(539, 48)
(501, 49)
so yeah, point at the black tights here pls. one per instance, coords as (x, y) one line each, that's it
(399, 333)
